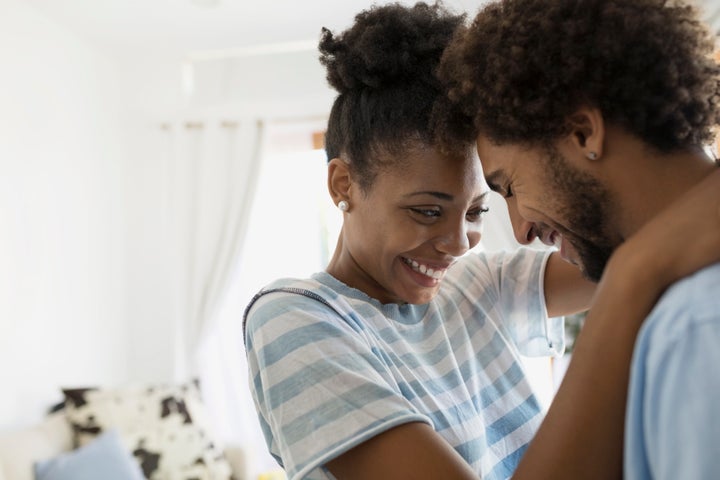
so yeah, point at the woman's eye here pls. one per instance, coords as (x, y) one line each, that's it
(426, 212)
(508, 192)
(475, 214)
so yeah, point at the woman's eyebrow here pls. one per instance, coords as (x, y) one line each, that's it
(443, 195)
(440, 195)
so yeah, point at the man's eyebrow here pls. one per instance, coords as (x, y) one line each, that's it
(496, 179)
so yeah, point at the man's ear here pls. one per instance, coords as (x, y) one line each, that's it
(587, 132)
(339, 180)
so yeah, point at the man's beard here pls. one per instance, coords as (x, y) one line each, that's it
(593, 258)
(584, 203)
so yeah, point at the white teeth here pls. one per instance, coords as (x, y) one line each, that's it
(436, 274)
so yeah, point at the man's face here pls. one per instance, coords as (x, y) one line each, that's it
(553, 200)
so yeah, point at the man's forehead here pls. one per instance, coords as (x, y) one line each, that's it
(486, 150)
(488, 161)
(496, 179)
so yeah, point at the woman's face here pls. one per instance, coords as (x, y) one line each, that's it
(415, 220)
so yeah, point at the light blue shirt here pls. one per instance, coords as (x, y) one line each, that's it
(673, 417)
(335, 368)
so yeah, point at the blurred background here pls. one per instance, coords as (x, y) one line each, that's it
(160, 160)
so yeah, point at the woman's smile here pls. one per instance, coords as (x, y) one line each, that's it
(434, 272)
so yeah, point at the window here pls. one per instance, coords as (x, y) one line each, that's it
(292, 231)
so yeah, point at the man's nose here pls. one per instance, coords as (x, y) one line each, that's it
(524, 231)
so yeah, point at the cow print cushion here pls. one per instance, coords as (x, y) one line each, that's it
(163, 426)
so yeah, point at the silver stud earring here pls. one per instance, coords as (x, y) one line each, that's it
(592, 155)
(343, 205)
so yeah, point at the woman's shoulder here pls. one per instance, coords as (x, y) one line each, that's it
(289, 283)
(295, 294)
(292, 303)
(290, 291)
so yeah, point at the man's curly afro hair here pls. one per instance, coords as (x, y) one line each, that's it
(384, 70)
(524, 66)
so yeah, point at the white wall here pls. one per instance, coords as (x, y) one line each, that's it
(279, 86)
(86, 284)
(62, 216)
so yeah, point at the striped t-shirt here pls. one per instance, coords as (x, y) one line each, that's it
(331, 367)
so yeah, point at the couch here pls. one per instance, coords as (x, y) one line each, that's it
(21, 448)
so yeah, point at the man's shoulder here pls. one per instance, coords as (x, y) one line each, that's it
(698, 289)
(686, 303)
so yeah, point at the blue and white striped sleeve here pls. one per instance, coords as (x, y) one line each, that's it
(519, 278)
(319, 387)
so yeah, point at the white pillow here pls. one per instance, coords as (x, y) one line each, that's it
(20, 449)
(164, 426)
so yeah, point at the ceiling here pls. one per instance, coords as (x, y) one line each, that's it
(177, 27)
(182, 28)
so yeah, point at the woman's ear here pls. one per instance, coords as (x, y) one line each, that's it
(587, 133)
(339, 180)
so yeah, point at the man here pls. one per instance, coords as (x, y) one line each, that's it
(592, 116)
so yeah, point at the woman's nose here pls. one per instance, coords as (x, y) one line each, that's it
(458, 241)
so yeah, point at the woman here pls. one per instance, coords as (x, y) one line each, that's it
(401, 359)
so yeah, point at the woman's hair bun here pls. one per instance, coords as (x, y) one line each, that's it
(388, 45)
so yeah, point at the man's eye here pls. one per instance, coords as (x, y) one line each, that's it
(508, 192)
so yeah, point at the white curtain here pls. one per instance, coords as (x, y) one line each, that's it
(292, 225)
(212, 169)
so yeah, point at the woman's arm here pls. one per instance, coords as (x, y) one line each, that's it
(409, 451)
(566, 290)
(582, 434)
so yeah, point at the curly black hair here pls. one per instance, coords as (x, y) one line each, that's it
(524, 66)
(384, 70)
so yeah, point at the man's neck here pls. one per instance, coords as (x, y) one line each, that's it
(650, 182)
